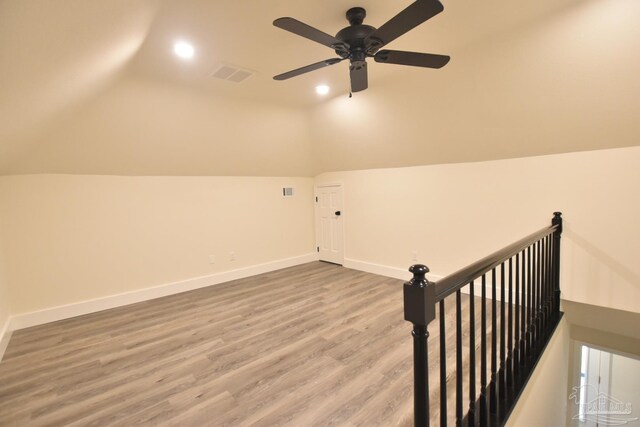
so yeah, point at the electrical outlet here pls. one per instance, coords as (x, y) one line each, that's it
(232, 256)
(414, 255)
(212, 259)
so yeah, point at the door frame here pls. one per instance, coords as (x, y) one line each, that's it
(316, 216)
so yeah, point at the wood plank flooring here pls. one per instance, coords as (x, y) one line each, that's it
(311, 345)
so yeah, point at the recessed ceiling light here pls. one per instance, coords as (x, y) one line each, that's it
(322, 89)
(183, 50)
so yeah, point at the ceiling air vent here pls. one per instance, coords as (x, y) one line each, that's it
(232, 73)
(288, 191)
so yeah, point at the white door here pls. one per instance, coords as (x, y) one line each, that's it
(329, 216)
(596, 387)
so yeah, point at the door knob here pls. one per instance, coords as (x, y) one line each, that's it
(337, 213)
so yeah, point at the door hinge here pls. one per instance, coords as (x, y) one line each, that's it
(316, 199)
(318, 248)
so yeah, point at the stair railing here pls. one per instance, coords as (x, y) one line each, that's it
(528, 297)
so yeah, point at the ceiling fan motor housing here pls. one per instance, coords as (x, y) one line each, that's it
(354, 35)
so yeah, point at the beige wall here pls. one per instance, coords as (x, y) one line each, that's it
(57, 55)
(455, 214)
(4, 305)
(74, 238)
(624, 382)
(4, 293)
(4, 286)
(559, 83)
(543, 402)
(145, 127)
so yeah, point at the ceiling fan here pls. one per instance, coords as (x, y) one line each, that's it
(359, 41)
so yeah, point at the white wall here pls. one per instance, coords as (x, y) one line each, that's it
(4, 293)
(75, 238)
(455, 214)
(543, 402)
(4, 297)
(624, 382)
(4, 304)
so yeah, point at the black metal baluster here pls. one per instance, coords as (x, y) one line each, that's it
(420, 309)
(545, 272)
(472, 356)
(534, 295)
(458, 359)
(539, 296)
(503, 326)
(523, 312)
(545, 293)
(541, 291)
(551, 317)
(493, 395)
(529, 301)
(543, 303)
(550, 286)
(483, 354)
(443, 368)
(516, 350)
(510, 328)
(541, 284)
(557, 220)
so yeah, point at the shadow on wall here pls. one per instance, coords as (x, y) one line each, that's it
(617, 267)
(85, 48)
(601, 267)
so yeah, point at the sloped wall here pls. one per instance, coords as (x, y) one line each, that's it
(561, 83)
(146, 127)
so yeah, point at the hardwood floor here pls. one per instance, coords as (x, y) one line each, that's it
(311, 345)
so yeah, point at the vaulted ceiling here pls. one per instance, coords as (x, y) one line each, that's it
(93, 87)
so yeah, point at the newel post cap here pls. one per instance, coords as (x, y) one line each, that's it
(557, 220)
(419, 275)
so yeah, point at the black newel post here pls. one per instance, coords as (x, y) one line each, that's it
(557, 220)
(420, 309)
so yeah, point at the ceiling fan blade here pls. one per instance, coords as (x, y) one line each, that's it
(307, 31)
(306, 69)
(428, 60)
(358, 74)
(414, 15)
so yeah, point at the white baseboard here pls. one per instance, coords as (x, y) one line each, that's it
(5, 336)
(384, 270)
(53, 314)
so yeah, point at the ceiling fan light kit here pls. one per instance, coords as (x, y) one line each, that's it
(358, 41)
